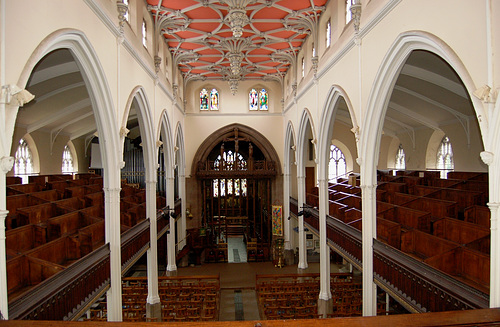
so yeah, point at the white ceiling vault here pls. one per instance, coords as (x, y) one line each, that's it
(428, 94)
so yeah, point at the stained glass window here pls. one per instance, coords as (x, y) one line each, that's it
(204, 99)
(23, 162)
(337, 165)
(400, 158)
(67, 161)
(216, 187)
(214, 100)
(263, 99)
(445, 157)
(238, 187)
(253, 100)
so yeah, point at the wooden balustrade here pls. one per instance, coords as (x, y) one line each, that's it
(418, 286)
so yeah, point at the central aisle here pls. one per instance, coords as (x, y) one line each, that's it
(236, 249)
(238, 300)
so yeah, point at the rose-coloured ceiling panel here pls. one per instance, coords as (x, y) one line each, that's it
(235, 39)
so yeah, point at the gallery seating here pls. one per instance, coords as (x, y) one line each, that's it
(54, 221)
(442, 222)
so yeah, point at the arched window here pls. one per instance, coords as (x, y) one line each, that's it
(445, 157)
(303, 67)
(67, 161)
(348, 13)
(400, 158)
(204, 99)
(328, 33)
(127, 13)
(144, 34)
(214, 99)
(263, 99)
(23, 162)
(337, 165)
(253, 100)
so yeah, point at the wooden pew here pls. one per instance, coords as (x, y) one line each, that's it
(13, 180)
(352, 201)
(24, 188)
(467, 265)
(40, 213)
(75, 203)
(24, 272)
(94, 199)
(408, 218)
(459, 231)
(337, 210)
(49, 195)
(94, 211)
(91, 237)
(478, 215)
(62, 251)
(15, 202)
(25, 238)
(423, 245)
(68, 224)
(437, 208)
(478, 176)
(387, 231)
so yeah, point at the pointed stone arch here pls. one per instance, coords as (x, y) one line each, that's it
(244, 131)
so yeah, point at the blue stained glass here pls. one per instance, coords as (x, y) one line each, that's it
(263, 100)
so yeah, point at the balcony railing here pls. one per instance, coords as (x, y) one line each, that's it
(417, 286)
(64, 295)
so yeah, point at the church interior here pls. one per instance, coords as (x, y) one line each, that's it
(250, 162)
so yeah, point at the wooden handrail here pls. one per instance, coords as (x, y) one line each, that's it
(60, 296)
(34, 303)
(398, 273)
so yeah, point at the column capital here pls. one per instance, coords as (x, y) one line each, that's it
(6, 164)
(487, 157)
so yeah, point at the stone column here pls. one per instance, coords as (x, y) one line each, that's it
(494, 205)
(325, 302)
(5, 166)
(112, 223)
(171, 252)
(289, 257)
(181, 233)
(153, 305)
(302, 236)
(368, 234)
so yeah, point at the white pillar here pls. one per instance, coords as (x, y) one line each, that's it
(5, 166)
(494, 206)
(112, 223)
(153, 297)
(324, 251)
(286, 211)
(171, 253)
(368, 234)
(302, 236)
(494, 255)
(181, 232)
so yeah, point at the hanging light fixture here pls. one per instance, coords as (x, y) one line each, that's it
(237, 18)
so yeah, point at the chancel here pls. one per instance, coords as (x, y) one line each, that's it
(204, 161)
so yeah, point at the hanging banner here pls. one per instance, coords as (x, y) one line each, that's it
(277, 217)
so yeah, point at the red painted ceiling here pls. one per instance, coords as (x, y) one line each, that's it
(201, 40)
